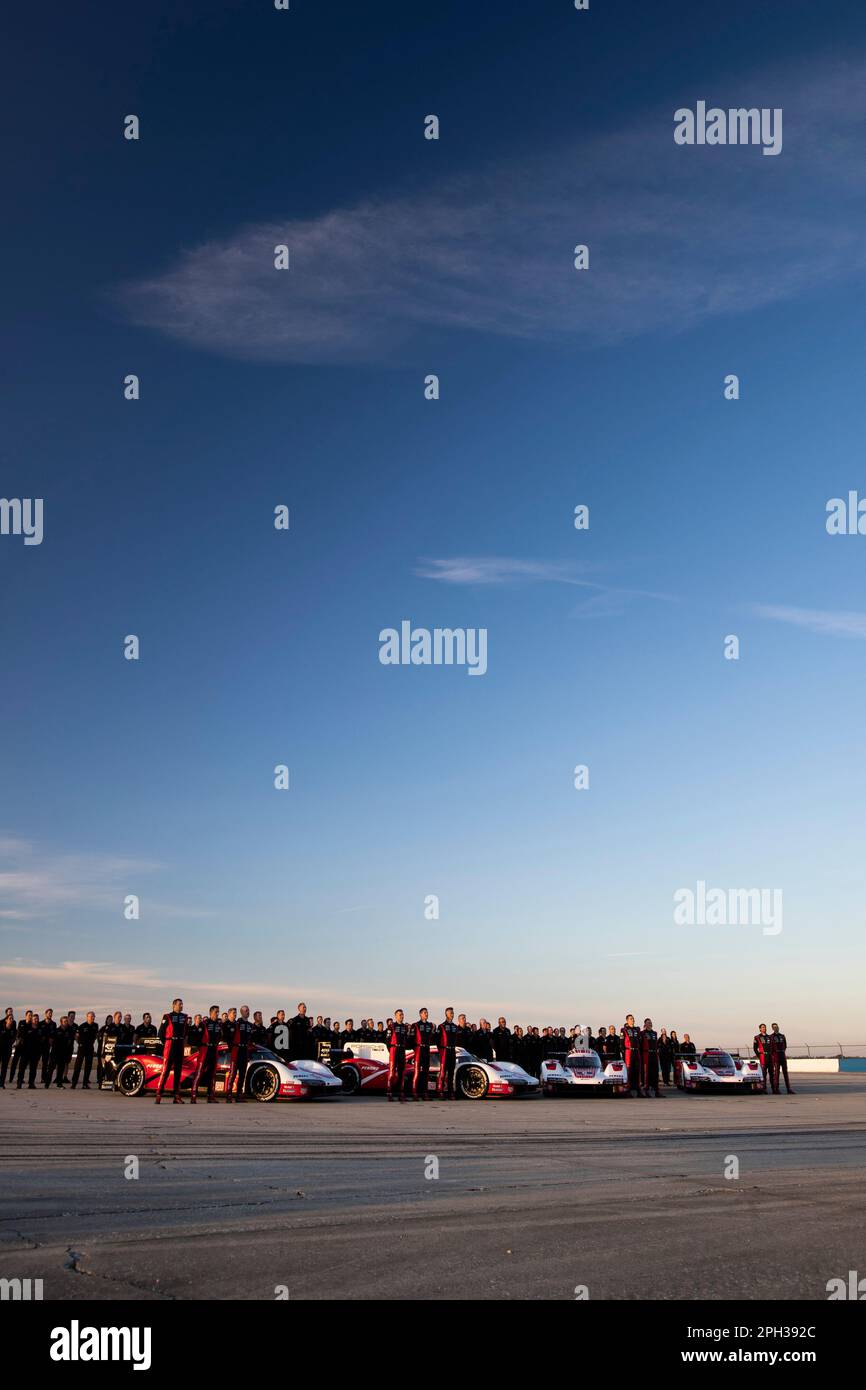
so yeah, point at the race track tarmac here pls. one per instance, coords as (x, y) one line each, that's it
(331, 1199)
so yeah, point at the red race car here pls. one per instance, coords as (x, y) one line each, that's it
(364, 1068)
(268, 1076)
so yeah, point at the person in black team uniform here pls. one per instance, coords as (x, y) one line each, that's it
(195, 1032)
(145, 1030)
(108, 1030)
(447, 1043)
(665, 1056)
(300, 1046)
(8, 1032)
(612, 1048)
(241, 1045)
(73, 1034)
(88, 1032)
(173, 1032)
(631, 1054)
(48, 1028)
(482, 1042)
(687, 1047)
(277, 1036)
(206, 1062)
(61, 1051)
(423, 1039)
(779, 1059)
(21, 1031)
(31, 1053)
(649, 1059)
(500, 1036)
(398, 1037)
(319, 1034)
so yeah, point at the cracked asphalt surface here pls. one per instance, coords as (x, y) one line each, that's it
(533, 1197)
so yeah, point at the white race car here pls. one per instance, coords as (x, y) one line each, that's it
(714, 1068)
(583, 1069)
(366, 1070)
(268, 1076)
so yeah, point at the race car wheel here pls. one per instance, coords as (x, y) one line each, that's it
(351, 1080)
(472, 1083)
(131, 1078)
(264, 1083)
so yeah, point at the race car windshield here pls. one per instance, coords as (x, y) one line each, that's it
(590, 1063)
(713, 1060)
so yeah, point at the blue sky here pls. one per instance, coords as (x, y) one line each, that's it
(605, 647)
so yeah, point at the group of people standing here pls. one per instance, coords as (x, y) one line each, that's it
(41, 1047)
(771, 1050)
(648, 1055)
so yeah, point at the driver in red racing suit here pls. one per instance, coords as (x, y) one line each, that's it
(398, 1037)
(762, 1048)
(631, 1054)
(206, 1063)
(240, 1042)
(172, 1032)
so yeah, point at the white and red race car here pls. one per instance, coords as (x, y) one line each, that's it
(583, 1070)
(714, 1068)
(366, 1070)
(268, 1076)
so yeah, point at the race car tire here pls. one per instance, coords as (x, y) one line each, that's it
(473, 1083)
(351, 1080)
(131, 1079)
(264, 1084)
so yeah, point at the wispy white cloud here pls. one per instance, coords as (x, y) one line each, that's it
(108, 985)
(604, 601)
(35, 884)
(493, 569)
(676, 235)
(831, 623)
(40, 885)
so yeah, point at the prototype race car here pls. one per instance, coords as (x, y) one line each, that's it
(582, 1070)
(715, 1068)
(268, 1076)
(365, 1068)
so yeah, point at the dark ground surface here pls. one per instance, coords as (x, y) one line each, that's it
(533, 1197)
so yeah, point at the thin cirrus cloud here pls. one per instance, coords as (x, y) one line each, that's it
(109, 985)
(829, 623)
(492, 569)
(676, 235)
(604, 600)
(36, 883)
(41, 885)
